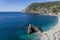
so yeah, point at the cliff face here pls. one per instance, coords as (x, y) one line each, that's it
(44, 8)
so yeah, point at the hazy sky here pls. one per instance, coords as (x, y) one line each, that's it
(17, 5)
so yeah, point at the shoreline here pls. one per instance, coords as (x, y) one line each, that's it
(51, 33)
(56, 28)
(50, 14)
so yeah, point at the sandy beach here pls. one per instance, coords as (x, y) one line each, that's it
(53, 33)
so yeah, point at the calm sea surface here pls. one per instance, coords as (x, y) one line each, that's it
(13, 25)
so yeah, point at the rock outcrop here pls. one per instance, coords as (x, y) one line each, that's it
(33, 29)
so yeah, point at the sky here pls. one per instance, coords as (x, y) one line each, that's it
(17, 5)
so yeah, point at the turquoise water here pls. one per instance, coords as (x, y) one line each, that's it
(13, 25)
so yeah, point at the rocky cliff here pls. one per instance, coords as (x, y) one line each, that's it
(44, 8)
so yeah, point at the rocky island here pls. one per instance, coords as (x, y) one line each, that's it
(33, 29)
(44, 8)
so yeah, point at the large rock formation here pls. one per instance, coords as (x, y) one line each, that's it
(32, 29)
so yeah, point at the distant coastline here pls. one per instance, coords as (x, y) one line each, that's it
(43, 8)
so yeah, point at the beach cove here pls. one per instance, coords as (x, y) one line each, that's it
(13, 25)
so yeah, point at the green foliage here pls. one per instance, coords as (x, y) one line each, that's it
(54, 6)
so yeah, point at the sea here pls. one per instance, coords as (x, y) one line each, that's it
(14, 25)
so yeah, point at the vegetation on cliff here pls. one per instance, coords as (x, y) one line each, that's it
(44, 8)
